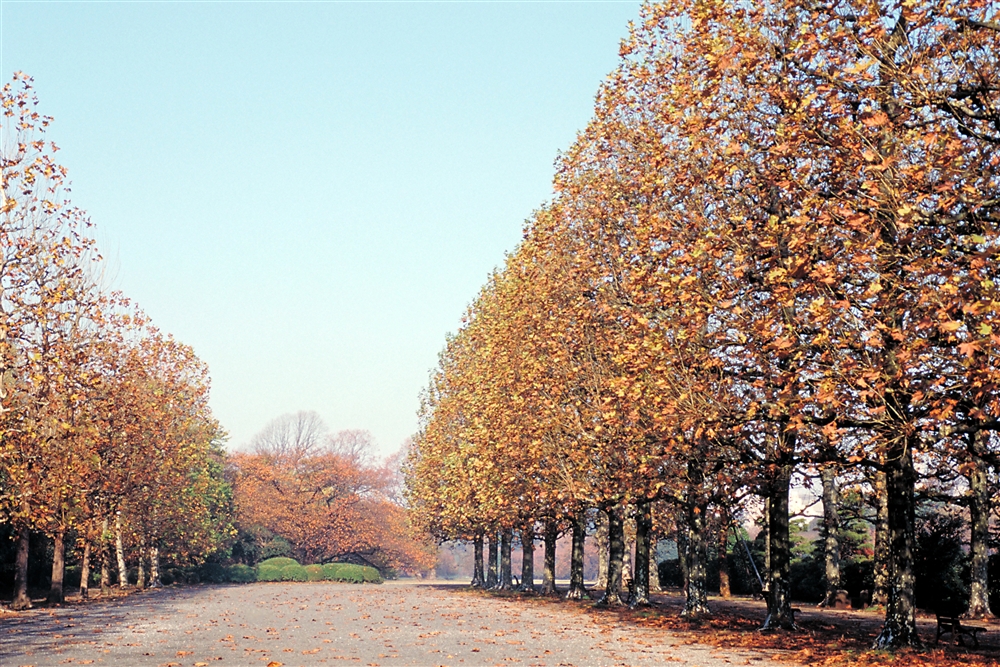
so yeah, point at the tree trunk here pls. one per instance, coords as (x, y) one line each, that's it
(549, 570)
(601, 539)
(478, 580)
(628, 574)
(85, 571)
(576, 589)
(491, 566)
(506, 580)
(21, 599)
(140, 577)
(880, 596)
(767, 541)
(120, 553)
(696, 586)
(616, 552)
(643, 535)
(831, 535)
(979, 524)
(724, 590)
(528, 558)
(900, 628)
(779, 594)
(683, 542)
(56, 595)
(154, 567)
(105, 557)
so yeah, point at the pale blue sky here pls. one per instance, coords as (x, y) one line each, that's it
(310, 194)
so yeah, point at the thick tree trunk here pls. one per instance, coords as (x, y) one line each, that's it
(492, 580)
(154, 567)
(683, 542)
(478, 580)
(105, 558)
(643, 540)
(831, 535)
(724, 589)
(880, 596)
(696, 586)
(21, 599)
(900, 627)
(616, 551)
(549, 569)
(506, 579)
(528, 558)
(628, 573)
(56, 595)
(979, 524)
(767, 541)
(601, 544)
(140, 578)
(85, 571)
(576, 589)
(120, 553)
(779, 595)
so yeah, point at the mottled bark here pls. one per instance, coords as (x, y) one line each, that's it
(528, 558)
(506, 580)
(120, 553)
(628, 574)
(979, 525)
(154, 567)
(576, 589)
(492, 578)
(683, 541)
(549, 568)
(85, 571)
(616, 551)
(696, 585)
(643, 545)
(900, 627)
(56, 594)
(831, 535)
(779, 594)
(478, 580)
(105, 559)
(21, 599)
(601, 544)
(724, 589)
(880, 596)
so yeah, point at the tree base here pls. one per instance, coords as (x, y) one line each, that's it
(577, 594)
(896, 636)
(612, 600)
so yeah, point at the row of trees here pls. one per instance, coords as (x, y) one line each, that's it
(105, 431)
(773, 249)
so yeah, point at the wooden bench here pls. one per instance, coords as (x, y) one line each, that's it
(952, 624)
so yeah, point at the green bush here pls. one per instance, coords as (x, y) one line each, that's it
(350, 573)
(315, 572)
(268, 573)
(241, 574)
(294, 572)
(278, 562)
(213, 573)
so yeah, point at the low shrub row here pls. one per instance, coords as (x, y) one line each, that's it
(287, 569)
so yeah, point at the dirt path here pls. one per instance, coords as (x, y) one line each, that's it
(330, 624)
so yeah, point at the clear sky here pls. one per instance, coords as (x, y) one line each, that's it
(310, 193)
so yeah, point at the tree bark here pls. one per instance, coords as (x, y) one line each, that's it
(779, 595)
(900, 627)
(616, 551)
(528, 558)
(120, 553)
(724, 589)
(696, 586)
(576, 589)
(506, 580)
(105, 557)
(628, 574)
(831, 535)
(478, 580)
(880, 596)
(979, 525)
(21, 599)
(683, 542)
(85, 571)
(643, 539)
(154, 567)
(601, 540)
(56, 595)
(491, 566)
(549, 570)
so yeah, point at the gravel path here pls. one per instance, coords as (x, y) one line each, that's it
(337, 624)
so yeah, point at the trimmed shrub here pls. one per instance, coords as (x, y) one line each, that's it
(350, 573)
(315, 572)
(213, 573)
(294, 572)
(278, 562)
(241, 574)
(268, 573)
